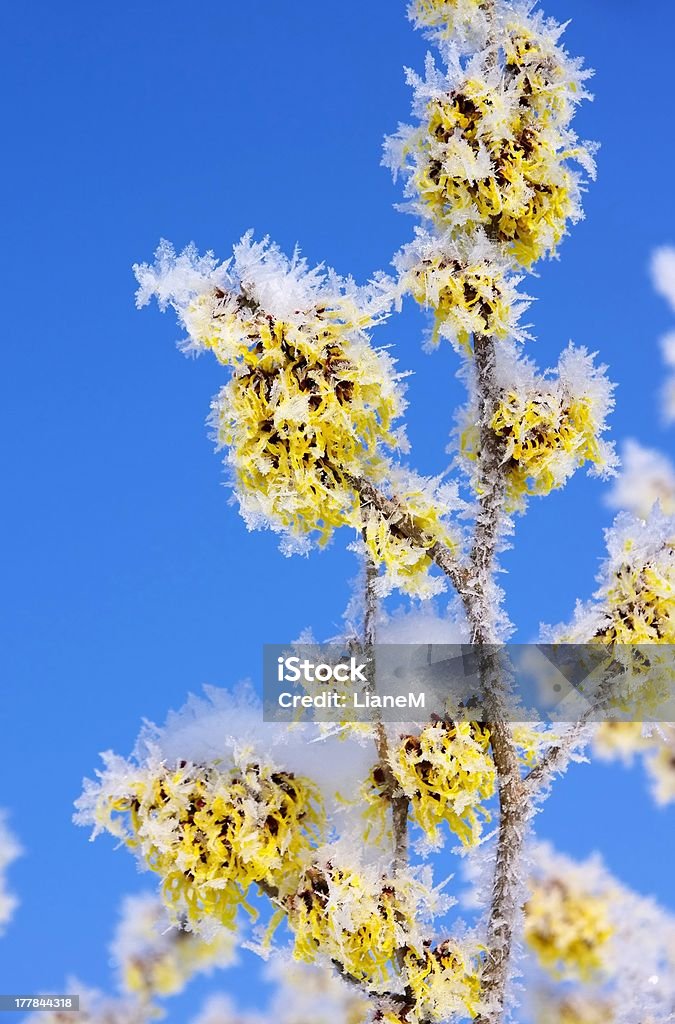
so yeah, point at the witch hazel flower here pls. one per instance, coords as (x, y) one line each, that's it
(310, 404)
(492, 149)
(311, 410)
(211, 825)
(156, 958)
(463, 21)
(607, 943)
(470, 289)
(367, 921)
(547, 425)
(635, 602)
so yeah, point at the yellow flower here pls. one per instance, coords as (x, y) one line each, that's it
(641, 601)
(365, 925)
(447, 772)
(309, 414)
(447, 15)
(339, 914)
(634, 611)
(531, 741)
(407, 564)
(526, 197)
(211, 834)
(444, 981)
(568, 929)
(466, 300)
(537, 432)
(493, 152)
(305, 411)
(170, 971)
(156, 959)
(548, 425)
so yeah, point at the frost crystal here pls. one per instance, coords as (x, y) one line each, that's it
(634, 604)
(9, 851)
(492, 147)
(663, 278)
(154, 957)
(582, 923)
(548, 424)
(647, 477)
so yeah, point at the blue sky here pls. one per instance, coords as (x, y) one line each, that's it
(127, 578)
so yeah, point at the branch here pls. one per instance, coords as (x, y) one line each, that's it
(390, 788)
(401, 521)
(513, 805)
(558, 753)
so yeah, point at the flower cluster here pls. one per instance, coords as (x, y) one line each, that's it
(465, 20)
(156, 959)
(368, 925)
(424, 506)
(305, 412)
(341, 914)
(447, 773)
(310, 404)
(309, 412)
(636, 600)
(493, 147)
(470, 293)
(568, 928)
(548, 425)
(445, 980)
(584, 926)
(210, 832)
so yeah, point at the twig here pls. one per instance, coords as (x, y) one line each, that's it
(390, 789)
(553, 758)
(403, 523)
(514, 808)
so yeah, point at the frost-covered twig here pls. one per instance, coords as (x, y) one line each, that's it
(401, 522)
(478, 602)
(558, 754)
(390, 788)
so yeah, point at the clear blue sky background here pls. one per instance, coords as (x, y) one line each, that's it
(127, 580)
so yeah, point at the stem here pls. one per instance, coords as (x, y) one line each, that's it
(390, 789)
(477, 599)
(400, 520)
(506, 901)
(557, 755)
